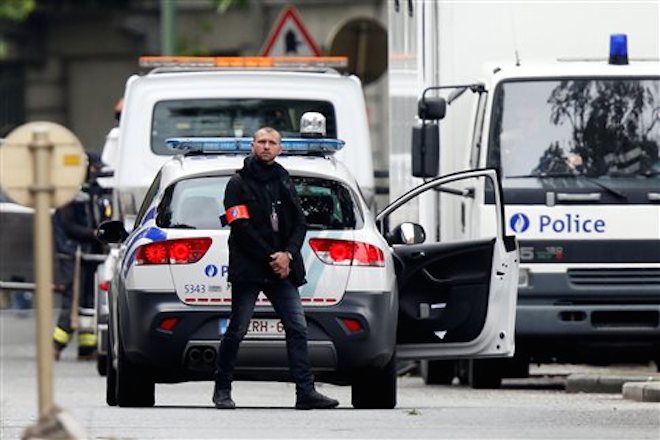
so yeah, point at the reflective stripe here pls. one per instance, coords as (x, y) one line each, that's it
(236, 212)
(60, 336)
(85, 323)
(86, 340)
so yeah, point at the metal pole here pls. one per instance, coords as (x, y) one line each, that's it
(41, 149)
(167, 27)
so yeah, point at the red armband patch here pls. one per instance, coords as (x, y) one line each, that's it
(237, 212)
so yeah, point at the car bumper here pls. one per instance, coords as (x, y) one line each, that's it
(188, 351)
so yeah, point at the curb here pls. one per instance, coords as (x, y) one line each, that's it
(642, 391)
(592, 383)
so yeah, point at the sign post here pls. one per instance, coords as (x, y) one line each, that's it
(290, 37)
(42, 165)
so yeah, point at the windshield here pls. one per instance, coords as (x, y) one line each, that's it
(593, 127)
(197, 203)
(232, 118)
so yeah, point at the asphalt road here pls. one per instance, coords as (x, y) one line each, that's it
(535, 408)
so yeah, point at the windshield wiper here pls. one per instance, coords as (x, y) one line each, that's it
(607, 188)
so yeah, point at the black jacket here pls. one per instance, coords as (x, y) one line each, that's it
(253, 240)
(72, 226)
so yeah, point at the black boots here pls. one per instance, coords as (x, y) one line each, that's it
(222, 399)
(312, 400)
(315, 400)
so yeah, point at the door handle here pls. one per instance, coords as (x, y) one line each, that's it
(653, 197)
(417, 255)
(569, 197)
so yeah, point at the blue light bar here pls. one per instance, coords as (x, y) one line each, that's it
(618, 49)
(219, 145)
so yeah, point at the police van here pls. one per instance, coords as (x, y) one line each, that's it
(577, 145)
(219, 96)
(375, 293)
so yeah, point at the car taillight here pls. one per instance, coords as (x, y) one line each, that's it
(104, 285)
(347, 252)
(179, 251)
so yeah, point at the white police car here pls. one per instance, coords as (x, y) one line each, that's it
(170, 299)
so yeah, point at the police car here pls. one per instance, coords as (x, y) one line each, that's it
(374, 294)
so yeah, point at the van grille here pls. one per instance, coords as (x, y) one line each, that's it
(619, 277)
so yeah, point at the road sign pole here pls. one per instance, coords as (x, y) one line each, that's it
(42, 165)
(41, 149)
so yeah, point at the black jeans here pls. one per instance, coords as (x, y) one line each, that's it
(285, 300)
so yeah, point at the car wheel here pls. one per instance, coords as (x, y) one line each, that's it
(110, 377)
(134, 387)
(375, 388)
(437, 372)
(485, 373)
(102, 364)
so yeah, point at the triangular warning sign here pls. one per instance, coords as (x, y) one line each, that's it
(289, 37)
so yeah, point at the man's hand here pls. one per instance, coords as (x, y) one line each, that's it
(279, 262)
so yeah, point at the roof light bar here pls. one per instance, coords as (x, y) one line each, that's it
(218, 145)
(242, 62)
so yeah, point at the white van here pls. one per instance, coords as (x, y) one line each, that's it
(182, 101)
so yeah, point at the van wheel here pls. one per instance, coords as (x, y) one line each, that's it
(110, 377)
(437, 372)
(101, 364)
(375, 388)
(134, 387)
(463, 371)
(485, 373)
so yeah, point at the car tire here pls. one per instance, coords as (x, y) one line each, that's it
(102, 364)
(485, 373)
(110, 377)
(375, 387)
(437, 372)
(134, 387)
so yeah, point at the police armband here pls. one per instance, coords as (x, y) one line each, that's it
(237, 212)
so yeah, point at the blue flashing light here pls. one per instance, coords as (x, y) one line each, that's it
(618, 49)
(219, 145)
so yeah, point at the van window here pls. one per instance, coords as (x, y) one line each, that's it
(232, 118)
(197, 203)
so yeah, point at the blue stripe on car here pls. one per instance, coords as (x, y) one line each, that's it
(152, 234)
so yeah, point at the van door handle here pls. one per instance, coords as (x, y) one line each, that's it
(584, 197)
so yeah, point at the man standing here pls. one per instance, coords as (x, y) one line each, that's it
(73, 227)
(267, 232)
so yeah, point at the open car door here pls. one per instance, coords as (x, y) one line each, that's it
(456, 299)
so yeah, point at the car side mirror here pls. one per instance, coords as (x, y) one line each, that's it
(112, 231)
(407, 233)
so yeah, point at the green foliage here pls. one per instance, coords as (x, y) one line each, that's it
(224, 5)
(16, 10)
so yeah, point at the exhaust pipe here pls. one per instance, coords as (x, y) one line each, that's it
(208, 355)
(195, 354)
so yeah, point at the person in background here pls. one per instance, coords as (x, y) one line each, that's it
(267, 231)
(73, 228)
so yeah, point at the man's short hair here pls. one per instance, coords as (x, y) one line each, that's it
(267, 130)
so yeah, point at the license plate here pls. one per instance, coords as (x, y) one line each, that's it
(258, 328)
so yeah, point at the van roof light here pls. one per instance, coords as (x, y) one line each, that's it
(312, 125)
(228, 145)
(243, 62)
(618, 49)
